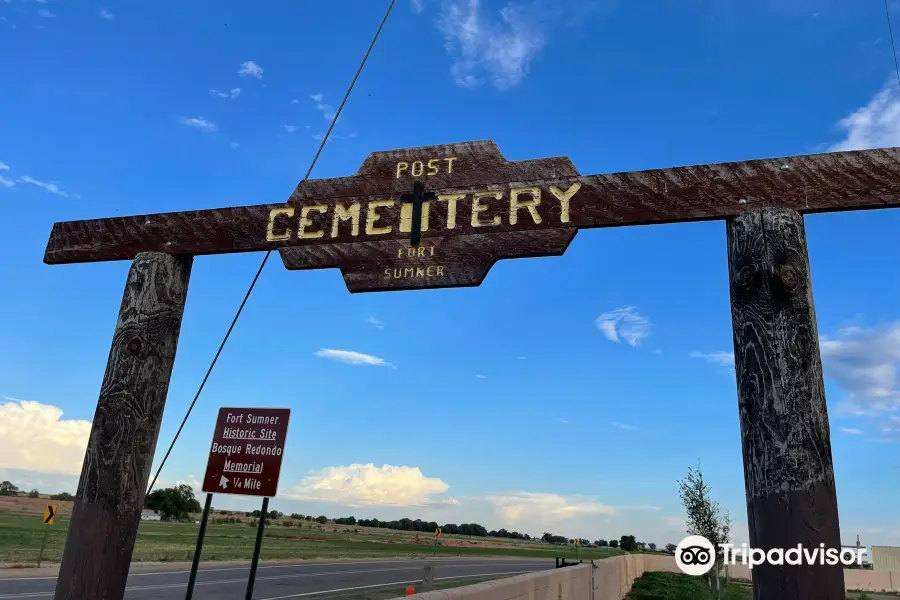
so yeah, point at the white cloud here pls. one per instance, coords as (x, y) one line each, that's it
(230, 94)
(50, 187)
(199, 123)
(46, 14)
(366, 485)
(625, 323)
(7, 183)
(875, 125)
(250, 69)
(3, 166)
(417, 6)
(478, 376)
(295, 101)
(624, 426)
(353, 358)
(851, 430)
(864, 363)
(234, 145)
(289, 128)
(35, 437)
(105, 14)
(498, 50)
(375, 323)
(326, 109)
(517, 507)
(522, 357)
(721, 358)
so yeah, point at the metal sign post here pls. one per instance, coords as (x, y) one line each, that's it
(200, 535)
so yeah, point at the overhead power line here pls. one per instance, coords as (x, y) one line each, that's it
(269, 252)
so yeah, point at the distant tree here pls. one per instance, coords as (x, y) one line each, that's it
(322, 519)
(174, 503)
(652, 546)
(62, 496)
(8, 489)
(628, 543)
(641, 545)
(613, 543)
(275, 514)
(670, 548)
(602, 543)
(34, 494)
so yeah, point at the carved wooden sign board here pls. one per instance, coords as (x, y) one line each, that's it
(441, 216)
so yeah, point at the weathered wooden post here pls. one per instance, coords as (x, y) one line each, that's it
(119, 456)
(786, 441)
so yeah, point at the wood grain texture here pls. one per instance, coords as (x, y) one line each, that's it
(808, 184)
(464, 261)
(117, 463)
(785, 435)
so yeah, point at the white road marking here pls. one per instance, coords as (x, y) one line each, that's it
(312, 564)
(363, 587)
(269, 578)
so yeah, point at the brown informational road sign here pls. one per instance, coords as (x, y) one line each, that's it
(476, 208)
(246, 452)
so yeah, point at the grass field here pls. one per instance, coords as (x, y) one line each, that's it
(21, 532)
(677, 586)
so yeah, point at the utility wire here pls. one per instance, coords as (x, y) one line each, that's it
(269, 252)
(887, 13)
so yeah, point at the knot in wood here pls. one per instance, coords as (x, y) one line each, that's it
(790, 278)
(746, 274)
(134, 346)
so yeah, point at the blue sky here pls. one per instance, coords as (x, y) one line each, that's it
(565, 394)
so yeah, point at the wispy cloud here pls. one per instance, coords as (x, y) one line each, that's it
(234, 145)
(105, 14)
(851, 430)
(295, 101)
(3, 166)
(562, 421)
(480, 376)
(417, 6)
(720, 358)
(375, 323)
(250, 69)
(624, 426)
(326, 109)
(46, 14)
(353, 358)
(7, 183)
(49, 186)
(492, 48)
(289, 128)
(199, 123)
(875, 125)
(522, 357)
(230, 94)
(624, 324)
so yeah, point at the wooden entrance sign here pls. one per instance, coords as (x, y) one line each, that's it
(441, 216)
(485, 209)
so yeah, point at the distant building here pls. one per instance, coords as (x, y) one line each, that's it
(149, 515)
(885, 558)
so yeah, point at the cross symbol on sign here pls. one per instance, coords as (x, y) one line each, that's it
(417, 197)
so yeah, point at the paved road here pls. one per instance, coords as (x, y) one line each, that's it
(282, 581)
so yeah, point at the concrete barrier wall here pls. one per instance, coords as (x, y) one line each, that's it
(611, 579)
(854, 579)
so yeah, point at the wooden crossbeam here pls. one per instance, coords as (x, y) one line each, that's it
(485, 194)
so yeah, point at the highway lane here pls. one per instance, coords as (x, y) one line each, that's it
(281, 581)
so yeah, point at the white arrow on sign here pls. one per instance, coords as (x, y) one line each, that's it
(223, 482)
